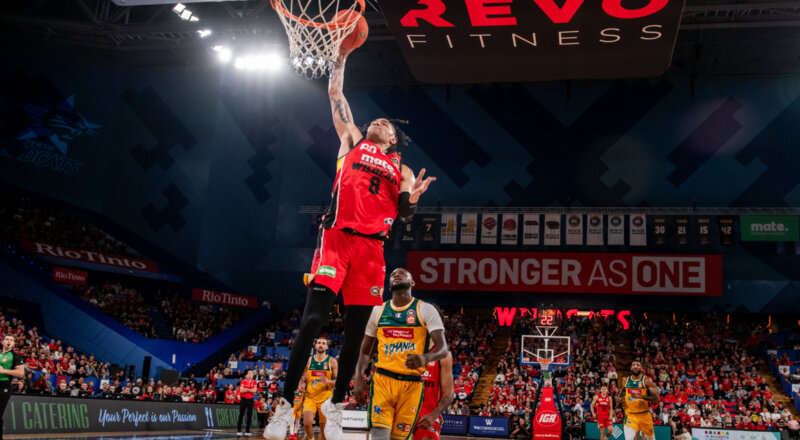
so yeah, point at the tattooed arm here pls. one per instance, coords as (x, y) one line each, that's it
(342, 117)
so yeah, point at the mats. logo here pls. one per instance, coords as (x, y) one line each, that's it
(45, 140)
(327, 270)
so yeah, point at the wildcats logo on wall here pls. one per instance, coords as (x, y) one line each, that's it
(465, 41)
(43, 139)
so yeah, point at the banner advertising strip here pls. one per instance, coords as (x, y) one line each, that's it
(99, 258)
(568, 272)
(223, 298)
(509, 229)
(454, 424)
(594, 230)
(552, 229)
(530, 229)
(448, 228)
(354, 419)
(489, 229)
(617, 433)
(31, 414)
(488, 426)
(616, 229)
(699, 433)
(70, 276)
(469, 228)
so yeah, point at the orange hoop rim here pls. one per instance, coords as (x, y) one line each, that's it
(276, 5)
(545, 362)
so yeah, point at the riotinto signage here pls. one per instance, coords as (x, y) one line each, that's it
(27, 414)
(468, 41)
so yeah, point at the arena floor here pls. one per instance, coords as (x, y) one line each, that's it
(177, 435)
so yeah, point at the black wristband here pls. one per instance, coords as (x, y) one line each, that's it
(405, 208)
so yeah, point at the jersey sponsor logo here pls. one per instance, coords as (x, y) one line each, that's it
(398, 333)
(398, 348)
(376, 171)
(327, 270)
(377, 409)
(404, 427)
(410, 319)
(317, 374)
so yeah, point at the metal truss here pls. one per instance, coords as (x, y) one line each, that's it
(687, 211)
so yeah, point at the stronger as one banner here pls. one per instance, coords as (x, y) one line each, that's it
(699, 275)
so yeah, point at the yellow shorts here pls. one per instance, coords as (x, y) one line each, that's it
(313, 403)
(394, 404)
(640, 422)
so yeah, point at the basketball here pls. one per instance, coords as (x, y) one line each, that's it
(357, 36)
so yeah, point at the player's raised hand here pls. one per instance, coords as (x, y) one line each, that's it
(414, 361)
(420, 185)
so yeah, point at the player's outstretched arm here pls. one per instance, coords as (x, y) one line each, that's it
(342, 116)
(359, 383)
(415, 186)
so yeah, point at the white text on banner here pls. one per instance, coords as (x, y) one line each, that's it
(616, 229)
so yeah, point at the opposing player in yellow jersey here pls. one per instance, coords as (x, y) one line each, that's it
(320, 377)
(640, 392)
(403, 328)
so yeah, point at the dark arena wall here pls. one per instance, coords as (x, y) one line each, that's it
(213, 166)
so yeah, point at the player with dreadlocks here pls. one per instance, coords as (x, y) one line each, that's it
(371, 189)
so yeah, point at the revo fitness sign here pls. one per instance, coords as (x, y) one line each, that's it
(470, 41)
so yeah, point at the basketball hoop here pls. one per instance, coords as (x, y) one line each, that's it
(315, 29)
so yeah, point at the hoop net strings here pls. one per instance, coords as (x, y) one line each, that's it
(314, 36)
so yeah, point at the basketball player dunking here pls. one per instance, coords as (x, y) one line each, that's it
(370, 190)
(320, 377)
(403, 328)
(602, 406)
(640, 393)
(438, 382)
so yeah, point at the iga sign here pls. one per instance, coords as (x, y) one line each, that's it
(698, 275)
(470, 41)
(227, 299)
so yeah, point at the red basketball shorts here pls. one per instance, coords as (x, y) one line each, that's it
(352, 264)
(432, 432)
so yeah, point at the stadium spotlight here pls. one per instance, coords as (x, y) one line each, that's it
(223, 53)
(179, 8)
(204, 33)
(269, 62)
(186, 14)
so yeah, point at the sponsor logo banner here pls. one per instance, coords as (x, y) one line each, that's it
(70, 276)
(592, 433)
(504, 41)
(454, 424)
(568, 272)
(594, 230)
(489, 229)
(510, 227)
(769, 228)
(354, 419)
(530, 229)
(48, 250)
(228, 299)
(398, 333)
(638, 230)
(574, 229)
(30, 414)
(469, 228)
(699, 433)
(448, 228)
(552, 229)
(493, 426)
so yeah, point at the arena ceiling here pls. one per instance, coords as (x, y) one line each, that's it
(716, 38)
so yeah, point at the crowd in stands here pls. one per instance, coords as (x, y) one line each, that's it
(708, 378)
(188, 321)
(514, 392)
(24, 218)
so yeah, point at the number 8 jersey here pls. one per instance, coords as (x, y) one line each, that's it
(365, 191)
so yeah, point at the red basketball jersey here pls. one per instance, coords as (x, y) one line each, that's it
(433, 390)
(365, 191)
(603, 407)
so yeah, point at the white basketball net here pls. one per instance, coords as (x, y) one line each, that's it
(314, 33)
